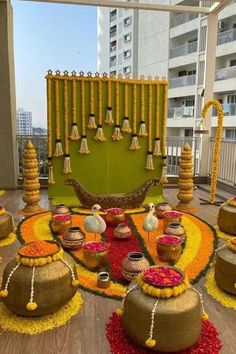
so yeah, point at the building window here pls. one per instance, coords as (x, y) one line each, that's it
(113, 31)
(113, 60)
(113, 46)
(188, 132)
(113, 73)
(113, 15)
(231, 98)
(189, 102)
(127, 53)
(232, 62)
(230, 134)
(127, 69)
(127, 37)
(127, 21)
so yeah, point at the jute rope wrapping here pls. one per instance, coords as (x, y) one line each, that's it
(134, 142)
(117, 132)
(126, 126)
(49, 116)
(109, 118)
(100, 134)
(58, 149)
(84, 143)
(74, 135)
(157, 145)
(67, 164)
(142, 125)
(92, 123)
(149, 161)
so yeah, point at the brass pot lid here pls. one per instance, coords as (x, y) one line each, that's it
(163, 276)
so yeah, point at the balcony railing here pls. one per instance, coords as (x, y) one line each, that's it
(112, 33)
(226, 36)
(229, 109)
(174, 147)
(181, 112)
(40, 143)
(182, 18)
(184, 49)
(187, 80)
(227, 161)
(225, 73)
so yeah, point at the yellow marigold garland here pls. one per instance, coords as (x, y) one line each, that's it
(163, 293)
(164, 179)
(58, 149)
(74, 135)
(8, 240)
(157, 144)
(49, 117)
(92, 123)
(142, 124)
(117, 132)
(134, 142)
(231, 245)
(67, 164)
(41, 261)
(232, 201)
(100, 134)
(149, 161)
(84, 143)
(37, 325)
(126, 126)
(109, 119)
(216, 153)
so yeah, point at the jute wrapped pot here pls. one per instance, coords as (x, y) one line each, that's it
(225, 270)
(177, 323)
(227, 219)
(52, 287)
(6, 224)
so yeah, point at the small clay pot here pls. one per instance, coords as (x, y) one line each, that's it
(175, 229)
(122, 231)
(103, 280)
(73, 238)
(6, 223)
(60, 226)
(59, 209)
(161, 208)
(172, 216)
(95, 260)
(115, 216)
(133, 264)
(168, 252)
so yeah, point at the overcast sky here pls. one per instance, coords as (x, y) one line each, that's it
(50, 36)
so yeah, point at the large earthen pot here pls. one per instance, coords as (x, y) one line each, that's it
(225, 270)
(6, 223)
(177, 323)
(227, 219)
(52, 287)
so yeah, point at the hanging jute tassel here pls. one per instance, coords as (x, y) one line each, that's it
(84, 145)
(74, 133)
(117, 133)
(134, 143)
(67, 166)
(92, 123)
(142, 129)
(50, 171)
(58, 149)
(157, 147)
(149, 161)
(109, 120)
(100, 134)
(126, 127)
(164, 179)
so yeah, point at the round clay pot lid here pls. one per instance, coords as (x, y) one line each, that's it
(163, 276)
(41, 255)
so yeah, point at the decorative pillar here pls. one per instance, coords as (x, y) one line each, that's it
(8, 146)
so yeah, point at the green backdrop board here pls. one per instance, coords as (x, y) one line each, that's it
(110, 167)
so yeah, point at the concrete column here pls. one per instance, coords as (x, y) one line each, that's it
(8, 147)
(209, 79)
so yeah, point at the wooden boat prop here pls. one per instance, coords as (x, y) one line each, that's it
(124, 200)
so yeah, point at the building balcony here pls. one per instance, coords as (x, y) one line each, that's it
(182, 50)
(181, 112)
(181, 117)
(182, 18)
(182, 81)
(229, 113)
(226, 36)
(226, 73)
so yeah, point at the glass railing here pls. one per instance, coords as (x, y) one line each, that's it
(228, 108)
(182, 18)
(182, 50)
(181, 81)
(226, 73)
(40, 143)
(226, 36)
(181, 112)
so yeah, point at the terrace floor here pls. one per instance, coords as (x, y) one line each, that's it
(85, 333)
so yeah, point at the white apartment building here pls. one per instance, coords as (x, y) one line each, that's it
(173, 45)
(24, 122)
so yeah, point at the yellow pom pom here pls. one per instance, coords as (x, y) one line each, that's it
(150, 342)
(75, 282)
(3, 293)
(17, 258)
(119, 311)
(205, 316)
(49, 259)
(31, 306)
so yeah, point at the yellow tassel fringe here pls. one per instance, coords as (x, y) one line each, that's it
(157, 147)
(142, 129)
(100, 134)
(149, 161)
(109, 120)
(67, 165)
(117, 133)
(126, 127)
(74, 134)
(84, 145)
(92, 124)
(134, 143)
(58, 150)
